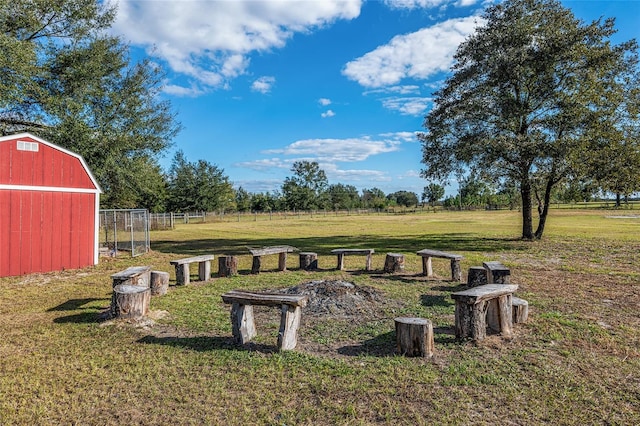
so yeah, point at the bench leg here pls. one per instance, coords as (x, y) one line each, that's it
(340, 266)
(204, 270)
(456, 272)
(282, 261)
(369, 264)
(499, 315)
(182, 274)
(242, 324)
(255, 266)
(427, 269)
(289, 323)
(471, 320)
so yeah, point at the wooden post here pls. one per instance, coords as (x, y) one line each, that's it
(394, 262)
(456, 271)
(520, 310)
(289, 323)
(243, 326)
(182, 274)
(340, 266)
(471, 319)
(227, 266)
(204, 270)
(369, 265)
(497, 273)
(427, 268)
(255, 265)
(282, 261)
(159, 283)
(308, 261)
(130, 301)
(476, 276)
(414, 337)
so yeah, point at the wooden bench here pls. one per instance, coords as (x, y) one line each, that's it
(242, 322)
(342, 252)
(427, 255)
(484, 305)
(133, 275)
(497, 273)
(281, 251)
(182, 268)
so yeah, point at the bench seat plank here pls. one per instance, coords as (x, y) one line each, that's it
(202, 258)
(265, 299)
(484, 292)
(347, 252)
(272, 250)
(438, 253)
(133, 275)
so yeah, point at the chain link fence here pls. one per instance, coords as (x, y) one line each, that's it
(124, 230)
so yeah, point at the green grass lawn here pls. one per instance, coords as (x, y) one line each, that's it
(576, 361)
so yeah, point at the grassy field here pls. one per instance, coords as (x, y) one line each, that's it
(576, 361)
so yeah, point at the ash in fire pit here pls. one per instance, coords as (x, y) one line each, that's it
(337, 298)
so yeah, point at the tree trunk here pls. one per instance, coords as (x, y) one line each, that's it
(527, 217)
(545, 209)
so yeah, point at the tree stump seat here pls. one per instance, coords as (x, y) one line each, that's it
(159, 283)
(477, 275)
(342, 252)
(428, 254)
(182, 268)
(414, 337)
(281, 251)
(482, 306)
(242, 320)
(308, 261)
(520, 309)
(130, 301)
(133, 275)
(497, 273)
(227, 266)
(394, 262)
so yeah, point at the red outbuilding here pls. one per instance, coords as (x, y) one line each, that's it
(49, 205)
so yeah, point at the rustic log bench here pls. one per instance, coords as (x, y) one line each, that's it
(484, 305)
(281, 251)
(133, 275)
(242, 322)
(497, 273)
(427, 254)
(342, 252)
(182, 268)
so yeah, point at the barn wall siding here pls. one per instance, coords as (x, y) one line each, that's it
(48, 209)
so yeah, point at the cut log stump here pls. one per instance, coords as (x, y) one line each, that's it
(394, 262)
(159, 283)
(308, 261)
(519, 309)
(130, 301)
(476, 276)
(227, 266)
(414, 337)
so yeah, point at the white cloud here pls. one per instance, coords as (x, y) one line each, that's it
(263, 84)
(328, 113)
(339, 150)
(324, 101)
(401, 90)
(415, 4)
(418, 55)
(209, 41)
(264, 164)
(407, 106)
(403, 136)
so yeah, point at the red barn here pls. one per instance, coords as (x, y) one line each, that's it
(49, 204)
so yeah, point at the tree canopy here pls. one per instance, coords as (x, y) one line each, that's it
(66, 80)
(306, 189)
(534, 95)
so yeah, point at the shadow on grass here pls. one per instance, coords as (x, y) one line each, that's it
(381, 346)
(451, 242)
(73, 305)
(207, 343)
(83, 318)
(439, 300)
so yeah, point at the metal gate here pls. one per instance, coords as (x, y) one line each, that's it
(124, 230)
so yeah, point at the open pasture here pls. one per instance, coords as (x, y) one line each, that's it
(576, 361)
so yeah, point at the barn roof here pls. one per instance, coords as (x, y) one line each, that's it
(9, 180)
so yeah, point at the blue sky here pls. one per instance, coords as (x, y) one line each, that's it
(260, 84)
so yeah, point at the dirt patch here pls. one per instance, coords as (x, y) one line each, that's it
(339, 298)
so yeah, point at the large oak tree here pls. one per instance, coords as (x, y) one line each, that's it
(65, 79)
(534, 95)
